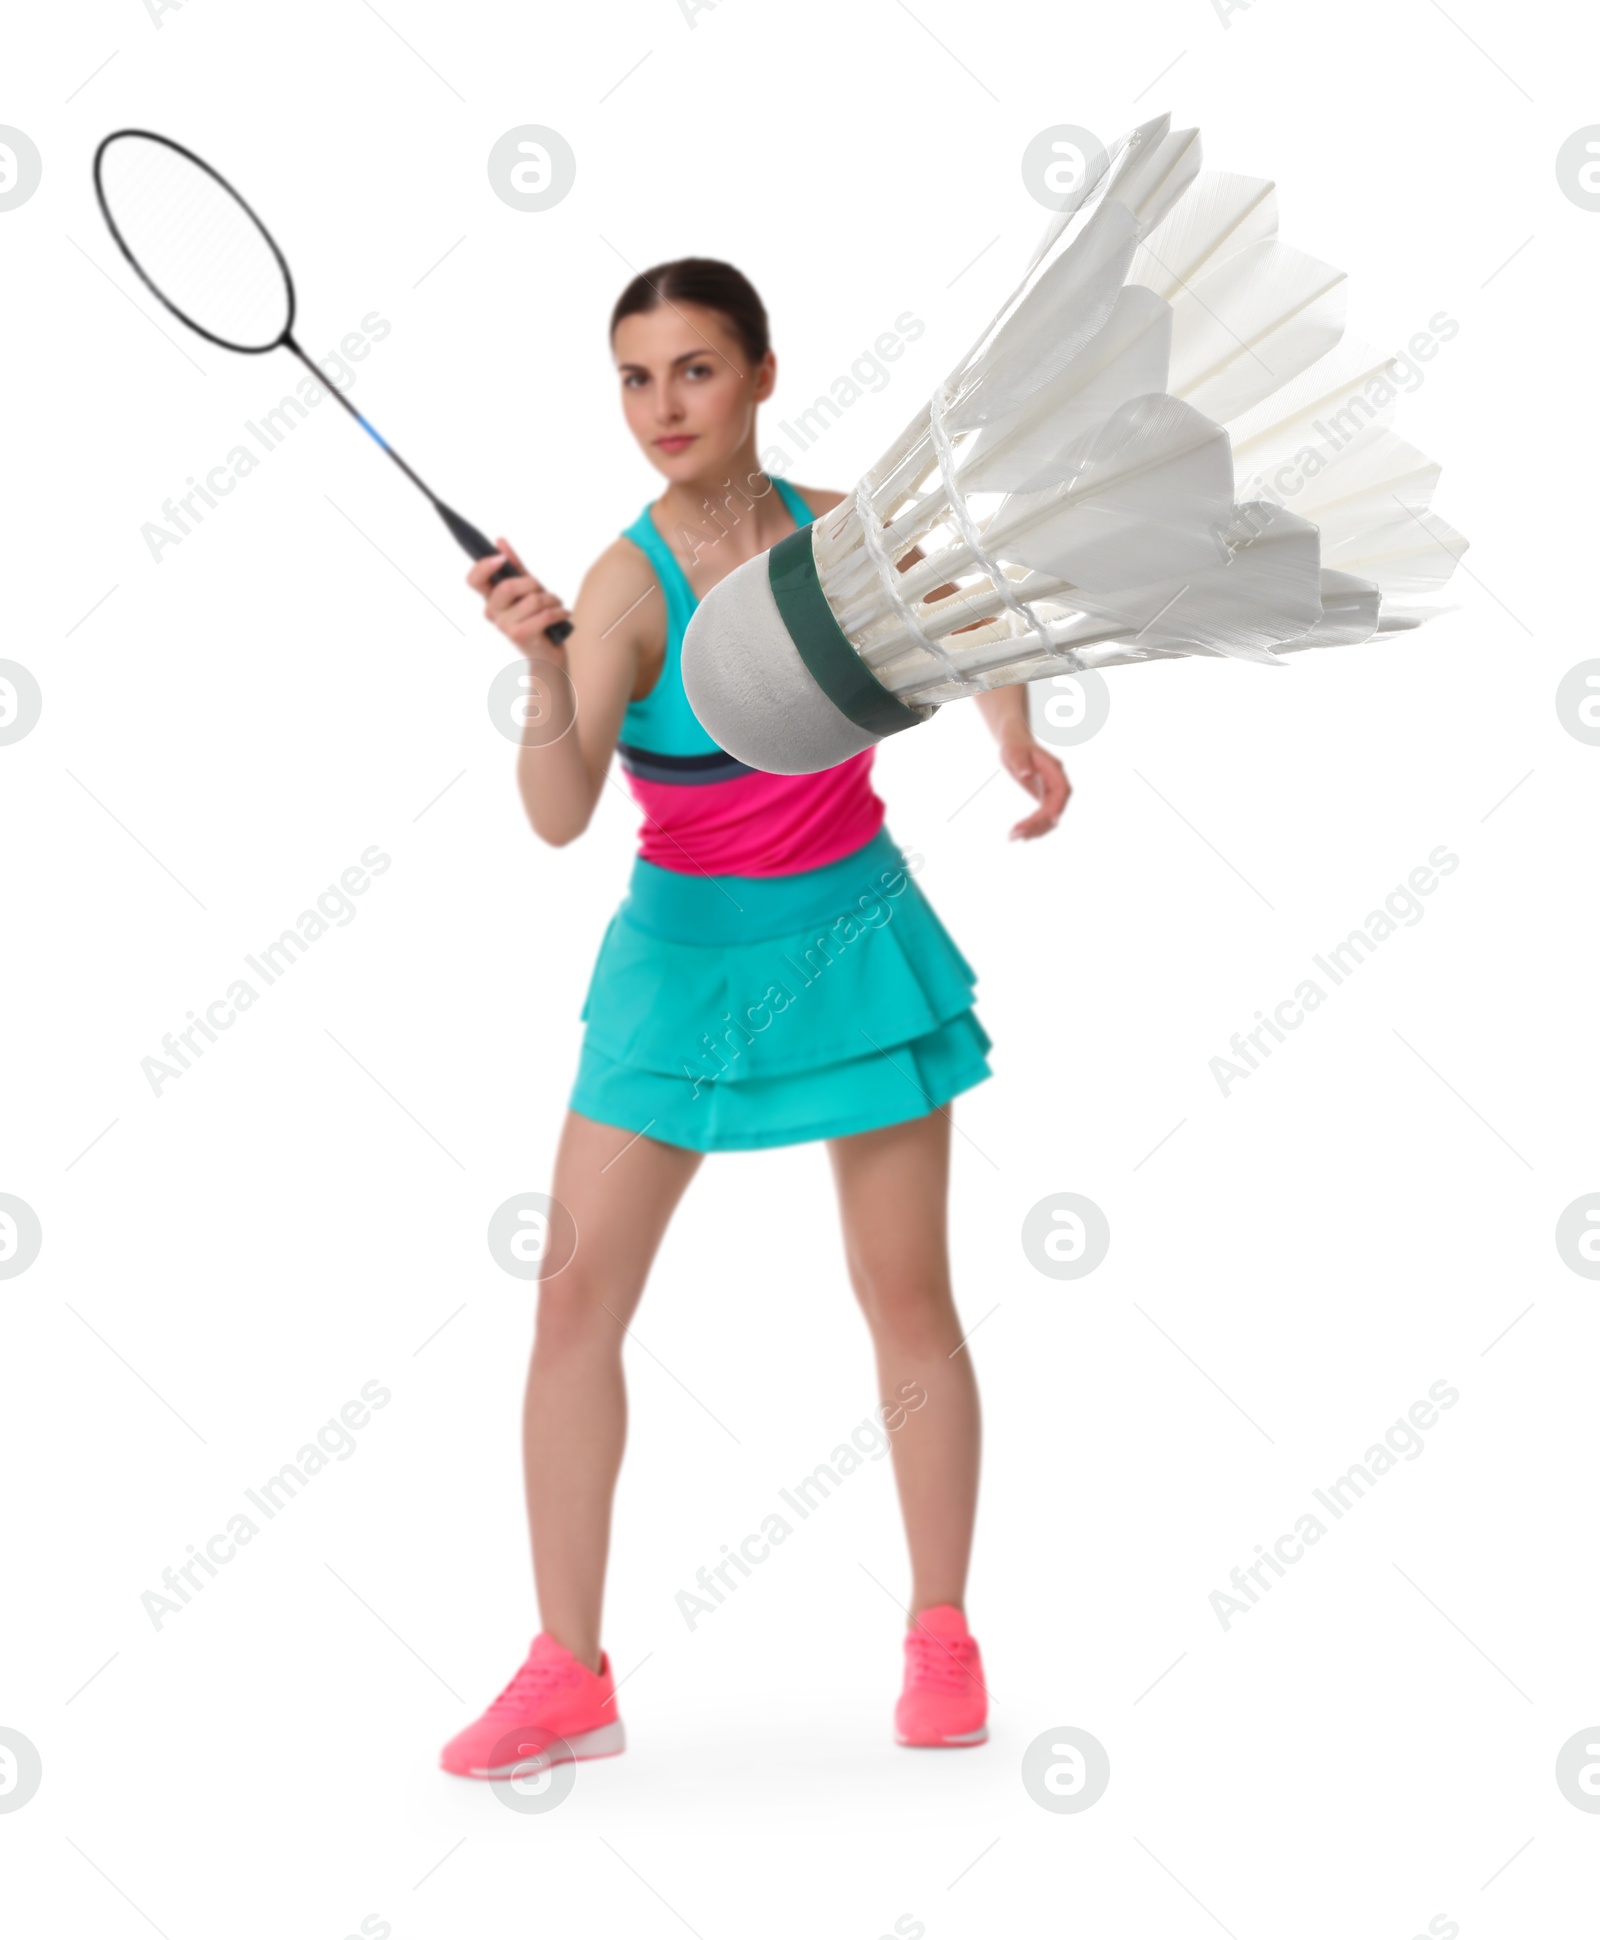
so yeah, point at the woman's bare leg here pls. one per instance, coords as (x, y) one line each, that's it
(621, 1192)
(892, 1192)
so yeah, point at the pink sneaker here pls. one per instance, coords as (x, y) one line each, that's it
(943, 1702)
(554, 1704)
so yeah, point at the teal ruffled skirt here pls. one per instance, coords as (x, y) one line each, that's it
(727, 1013)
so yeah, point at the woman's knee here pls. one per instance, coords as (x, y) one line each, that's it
(907, 1303)
(577, 1314)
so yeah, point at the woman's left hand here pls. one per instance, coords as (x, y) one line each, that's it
(1045, 779)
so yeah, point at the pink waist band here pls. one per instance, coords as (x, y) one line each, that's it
(759, 825)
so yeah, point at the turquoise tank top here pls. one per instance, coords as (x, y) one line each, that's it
(663, 723)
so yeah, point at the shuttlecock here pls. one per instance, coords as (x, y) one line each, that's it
(1076, 480)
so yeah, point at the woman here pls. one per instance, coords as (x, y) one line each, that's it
(774, 976)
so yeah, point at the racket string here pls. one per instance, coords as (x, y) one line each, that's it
(196, 243)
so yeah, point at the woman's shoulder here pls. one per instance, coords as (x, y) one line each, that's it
(622, 565)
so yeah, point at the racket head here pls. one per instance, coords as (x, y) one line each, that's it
(194, 242)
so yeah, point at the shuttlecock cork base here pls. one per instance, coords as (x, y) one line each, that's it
(772, 677)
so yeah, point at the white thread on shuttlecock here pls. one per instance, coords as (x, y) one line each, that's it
(961, 514)
(888, 573)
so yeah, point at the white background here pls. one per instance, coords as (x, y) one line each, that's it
(225, 1265)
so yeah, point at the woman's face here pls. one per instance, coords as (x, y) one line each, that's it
(689, 391)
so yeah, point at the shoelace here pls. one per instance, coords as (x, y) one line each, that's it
(531, 1683)
(949, 1666)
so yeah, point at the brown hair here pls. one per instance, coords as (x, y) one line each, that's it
(712, 285)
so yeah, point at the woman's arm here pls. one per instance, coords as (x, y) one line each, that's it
(1036, 768)
(1006, 711)
(584, 685)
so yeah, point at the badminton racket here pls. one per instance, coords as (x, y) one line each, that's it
(206, 256)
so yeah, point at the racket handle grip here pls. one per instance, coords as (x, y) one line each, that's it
(472, 542)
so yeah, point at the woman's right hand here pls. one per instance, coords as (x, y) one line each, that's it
(520, 607)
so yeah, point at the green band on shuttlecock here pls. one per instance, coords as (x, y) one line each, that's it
(830, 659)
